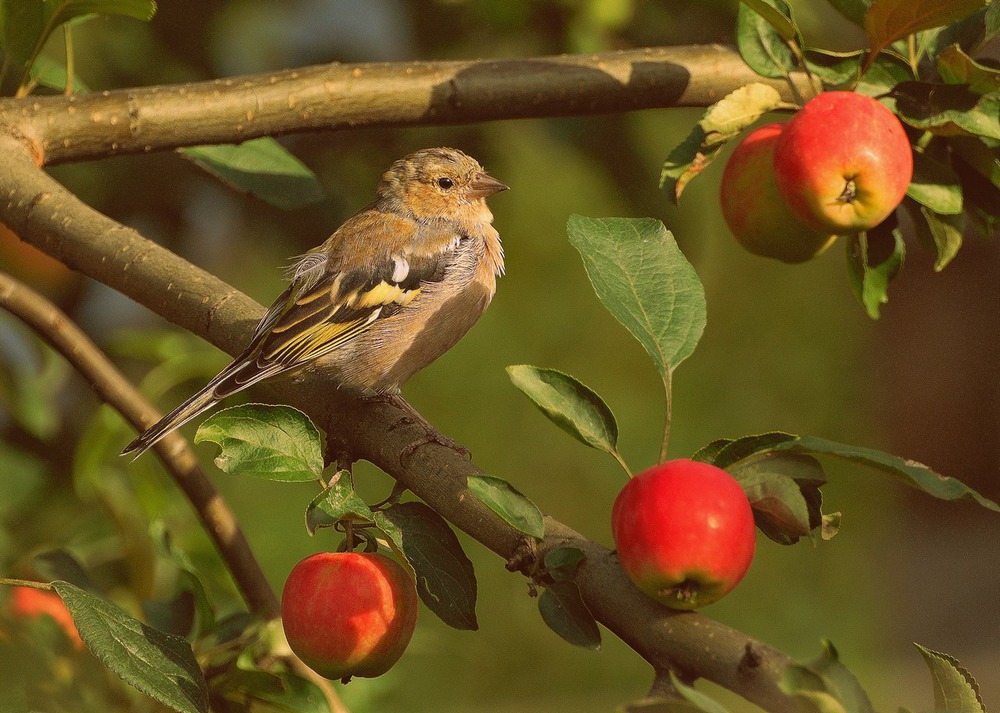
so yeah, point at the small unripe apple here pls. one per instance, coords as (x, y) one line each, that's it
(684, 532)
(843, 162)
(349, 613)
(755, 212)
(31, 603)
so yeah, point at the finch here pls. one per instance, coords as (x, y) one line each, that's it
(394, 287)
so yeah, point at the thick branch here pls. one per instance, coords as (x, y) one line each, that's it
(385, 94)
(52, 325)
(39, 210)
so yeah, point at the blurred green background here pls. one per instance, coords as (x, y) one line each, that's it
(785, 348)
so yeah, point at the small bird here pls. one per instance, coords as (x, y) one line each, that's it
(394, 288)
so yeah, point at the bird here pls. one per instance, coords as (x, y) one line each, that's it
(392, 289)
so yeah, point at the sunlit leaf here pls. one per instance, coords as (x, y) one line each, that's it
(886, 21)
(270, 442)
(955, 690)
(160, 665)
(738, 110)
(569, 404)
(506, 501)
(643, 278)
(335, 503)
(263, 168)
(935, 185)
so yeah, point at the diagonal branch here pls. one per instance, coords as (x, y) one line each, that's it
(338, 96)
(59, 331)
(40, 211)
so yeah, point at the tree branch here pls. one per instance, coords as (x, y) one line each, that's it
(338, 96)
(42, 212)
(59, 331)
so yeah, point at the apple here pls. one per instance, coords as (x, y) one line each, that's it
(755, 212)
(31, 603)
(684, 532)
(349, 613)
(843, 162)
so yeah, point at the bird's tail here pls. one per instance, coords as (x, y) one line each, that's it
(197, 404)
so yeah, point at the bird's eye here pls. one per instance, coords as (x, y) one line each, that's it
(445, 182)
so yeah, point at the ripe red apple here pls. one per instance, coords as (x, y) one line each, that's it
(755, 212)
(843, 162)
(684, 532)
(349, 613)
(31, 603)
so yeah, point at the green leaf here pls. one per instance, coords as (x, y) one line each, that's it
(771, 482)
(955, 690)
(886, 21)
(767, 37)
(842, 70)
(561, 563)
(160, 665)
(270, 442)
(947, 109)
(645, 281)
(696, 698)
(985, 161)
(874, 259)
(564, 611)
(569, 404)
(908, 471)
(506, 501)
(446, 581)
(825, 685)
(723, 121)
(956, 67)
(935, 185)
(724, 452)
(263, 168)
(738, 110)
(49, 73)
(337, 502)
(941, 233)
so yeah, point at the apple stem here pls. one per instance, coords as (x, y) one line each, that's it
(667, 377)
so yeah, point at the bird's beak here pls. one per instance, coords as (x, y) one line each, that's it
(484, 185)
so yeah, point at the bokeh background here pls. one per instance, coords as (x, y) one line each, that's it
(785, 348)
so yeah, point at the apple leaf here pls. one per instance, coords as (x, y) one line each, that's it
(908, 471)
(642, 277)
(569, 404)
(262, 441)
(935, 185)
(446, 581)
(160, 665)
(956, 67)
(767, 37)
(886, 21)
(721, 122)
(942, 234)
(853, 10)
(873, 260)
(564, 611)
(984, 160)
(260, 167)
(696, 698)
(826, 685)
(955, 690)
(506, 501)
(561, 563)
(783, 492)
(947, 109)
(336, 502)
(723, 452)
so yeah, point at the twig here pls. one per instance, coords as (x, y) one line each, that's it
(52, 325)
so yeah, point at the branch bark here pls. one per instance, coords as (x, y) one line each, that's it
(42, 212)
(339, 96)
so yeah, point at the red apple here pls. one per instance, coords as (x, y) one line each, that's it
(31, 603)
(348, 613)
(684, 532)
(755, 212)
(843, 162)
